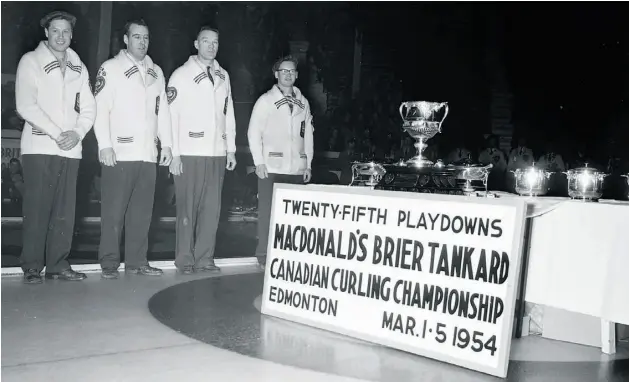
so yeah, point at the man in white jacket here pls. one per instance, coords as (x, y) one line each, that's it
(204, 145)
(281, 142)
(132, 115)
(53, 96)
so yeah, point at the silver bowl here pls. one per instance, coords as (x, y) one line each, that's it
(532, 181)
(367, 173)
(585, 183)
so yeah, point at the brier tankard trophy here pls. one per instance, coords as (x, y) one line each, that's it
(422, 121)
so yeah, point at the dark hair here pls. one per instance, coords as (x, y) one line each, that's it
(139, 22)
(276, 65)
(207, 28)
(57, 15)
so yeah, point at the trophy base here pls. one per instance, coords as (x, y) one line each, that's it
(419, 162)
(428, 179)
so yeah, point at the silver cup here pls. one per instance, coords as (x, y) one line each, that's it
(422, 121)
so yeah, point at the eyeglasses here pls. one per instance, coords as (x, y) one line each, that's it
(286, 71)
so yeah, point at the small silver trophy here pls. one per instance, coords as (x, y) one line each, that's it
(422, 121)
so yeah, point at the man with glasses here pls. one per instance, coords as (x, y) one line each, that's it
(281, 142)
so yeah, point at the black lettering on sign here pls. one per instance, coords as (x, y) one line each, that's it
(398, 323)
(305, 301)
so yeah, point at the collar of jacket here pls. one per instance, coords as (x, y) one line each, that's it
(132, 72)
(279, 99)
(199, 71)
(50, 64)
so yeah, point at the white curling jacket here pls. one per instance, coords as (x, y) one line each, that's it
(202, 113)
(132, 113)
(51, 102)
(278, 138)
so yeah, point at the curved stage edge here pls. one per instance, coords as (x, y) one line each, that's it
(224, 312)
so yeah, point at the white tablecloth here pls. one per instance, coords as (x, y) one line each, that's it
(579, 258)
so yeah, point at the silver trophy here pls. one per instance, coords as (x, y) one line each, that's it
(422, 121)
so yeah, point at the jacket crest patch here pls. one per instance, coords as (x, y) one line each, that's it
(171, 94)
(100, 81)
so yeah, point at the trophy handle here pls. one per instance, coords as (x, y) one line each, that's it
(402, 107)
(445, 115)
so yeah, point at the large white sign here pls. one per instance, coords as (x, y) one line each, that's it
(434, 275)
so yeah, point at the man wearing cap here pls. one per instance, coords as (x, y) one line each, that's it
(52, 94)
(281, 142)
(132, 115)
(204, 145)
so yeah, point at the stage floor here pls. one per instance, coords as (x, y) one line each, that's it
(182, 328)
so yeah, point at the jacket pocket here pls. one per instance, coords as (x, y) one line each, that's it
(199, 134)
(302, 131)
(124, 140)
(157, 105)
(274, 160)
(77, 103)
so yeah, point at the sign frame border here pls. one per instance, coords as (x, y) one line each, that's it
(520, 206)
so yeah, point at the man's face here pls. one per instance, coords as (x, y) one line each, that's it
(137, 41)
(286, 74)
(207, 45)
(59, 35)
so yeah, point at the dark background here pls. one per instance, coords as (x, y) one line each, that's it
(566, 63)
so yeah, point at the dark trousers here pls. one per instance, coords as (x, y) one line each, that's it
(48, 207)
(265, 198)
(127, 193)
(198, 193)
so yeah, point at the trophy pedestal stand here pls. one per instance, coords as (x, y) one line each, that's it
(420, 161)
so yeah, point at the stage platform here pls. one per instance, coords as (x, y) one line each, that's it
(201, 327)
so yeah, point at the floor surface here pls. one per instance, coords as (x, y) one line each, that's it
(180, 328)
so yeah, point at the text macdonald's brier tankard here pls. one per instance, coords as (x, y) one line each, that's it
(422, 121)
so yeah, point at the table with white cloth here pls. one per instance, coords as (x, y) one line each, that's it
(578, 261)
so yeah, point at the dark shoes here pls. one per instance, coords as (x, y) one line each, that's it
(110, 274)
(32, 276)
(146, 270)
(208, 268)
(67, 275)
(189, 269)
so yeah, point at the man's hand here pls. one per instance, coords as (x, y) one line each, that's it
(307, 175)
(176, 166)
(68, 140)
(107, 157)
(261, 171)
(231, 161)
(166, 156)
